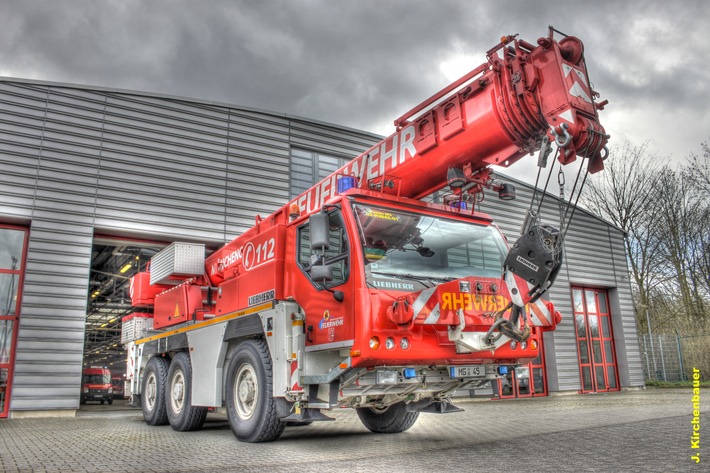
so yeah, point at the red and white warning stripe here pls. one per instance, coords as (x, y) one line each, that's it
(540, 314)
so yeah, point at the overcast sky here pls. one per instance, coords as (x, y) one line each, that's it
(362, 63)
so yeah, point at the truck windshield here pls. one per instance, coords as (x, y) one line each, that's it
(408, 251)
(97, 379)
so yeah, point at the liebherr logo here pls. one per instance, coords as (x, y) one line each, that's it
(527, 263)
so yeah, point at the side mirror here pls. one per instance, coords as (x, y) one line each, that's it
(319, 231)
(322, 273)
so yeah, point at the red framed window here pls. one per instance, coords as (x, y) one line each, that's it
(528, 380)
(595, 340)
(13, 252)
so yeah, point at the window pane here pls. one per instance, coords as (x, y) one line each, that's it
(6, 327)
(601, 384)
(583, 352)
(591, 301)
(335, 255)
(586, 378)
(304, 238)
(603, 307)
(611, 374)
(593, 325)
(11, 243)
(3, 387)
(577, 300)
(606, 333)
(581, 331)
(538, 380)
(608, 352)
(507, 384)
(522, 373)
(8, 293)
(597, 348)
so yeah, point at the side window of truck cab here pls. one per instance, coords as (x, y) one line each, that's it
(334, 254)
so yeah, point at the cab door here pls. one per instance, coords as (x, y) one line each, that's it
(327, 300)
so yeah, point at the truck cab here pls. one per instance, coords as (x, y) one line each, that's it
(395, 278)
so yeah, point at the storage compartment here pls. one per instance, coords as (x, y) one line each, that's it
(178, 305)
(135, 326)
(142, 293)
(177, 262)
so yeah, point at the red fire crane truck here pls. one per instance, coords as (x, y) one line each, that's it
(359, 293)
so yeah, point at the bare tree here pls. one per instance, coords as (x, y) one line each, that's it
(699, 173)
(676, 223)
(622, 195)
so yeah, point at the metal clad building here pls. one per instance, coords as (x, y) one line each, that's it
(77, 162)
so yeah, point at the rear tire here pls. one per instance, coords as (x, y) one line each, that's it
(153, 391)
(182, 415)
(110, 402)
(391, 420)
(251, 407)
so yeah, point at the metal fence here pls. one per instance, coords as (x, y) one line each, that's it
(672, 358)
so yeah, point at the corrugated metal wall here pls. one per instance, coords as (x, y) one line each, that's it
(79, 161)
(76, 161)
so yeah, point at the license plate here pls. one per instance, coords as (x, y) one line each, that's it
(467, 371)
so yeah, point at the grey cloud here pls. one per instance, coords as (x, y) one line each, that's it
(356, 63)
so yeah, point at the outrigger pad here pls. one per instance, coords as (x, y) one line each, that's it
(433, 407)
(307, 415)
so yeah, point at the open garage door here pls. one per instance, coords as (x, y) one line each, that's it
(114, 261)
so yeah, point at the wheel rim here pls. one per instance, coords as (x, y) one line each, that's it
(177, 392)
(379, 410)
(151, 391)
(246, 392)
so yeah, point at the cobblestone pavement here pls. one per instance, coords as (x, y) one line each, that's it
(635, 431)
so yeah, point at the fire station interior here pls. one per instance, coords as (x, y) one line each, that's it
(114, 262)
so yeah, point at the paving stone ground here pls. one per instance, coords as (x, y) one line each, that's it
(631, 431)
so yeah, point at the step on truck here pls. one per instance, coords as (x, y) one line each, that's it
(361, 292)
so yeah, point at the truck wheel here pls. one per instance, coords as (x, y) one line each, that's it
(251, 408)
(182, 415)
(390, 420)
(110, 402)
(153, 391)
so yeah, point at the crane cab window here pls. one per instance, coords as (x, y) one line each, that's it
(336, 254)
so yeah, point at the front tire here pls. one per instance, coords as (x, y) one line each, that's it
(155, 377)
(251, 407)
(182, 415)
(390, 420)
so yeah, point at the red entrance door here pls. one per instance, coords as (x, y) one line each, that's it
(13, 242)
(595, 340)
